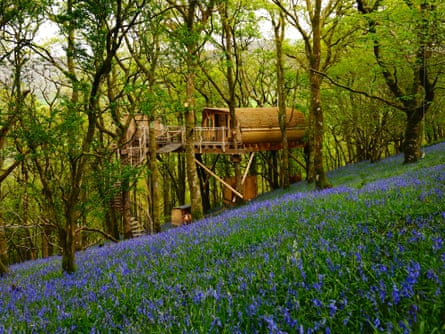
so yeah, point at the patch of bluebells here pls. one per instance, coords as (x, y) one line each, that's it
(343, 260)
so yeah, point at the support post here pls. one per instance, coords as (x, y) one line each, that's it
(219, 179)
(248, 167)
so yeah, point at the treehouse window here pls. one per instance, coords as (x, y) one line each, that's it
(221, 121)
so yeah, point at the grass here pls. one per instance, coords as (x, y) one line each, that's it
(366, 256)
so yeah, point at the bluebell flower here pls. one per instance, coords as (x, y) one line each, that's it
(216, 322)
(413, 309)
(317, 287)
(395, 294)
(432, 276)
(272, 325)
(317, 302)
(332, 308)
(437, 244)
(301, 329)
(377, 324)
(288, 319)
(404, 327)
(413, 269)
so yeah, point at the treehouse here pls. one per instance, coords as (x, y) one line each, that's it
(252, 130)
(255, 129)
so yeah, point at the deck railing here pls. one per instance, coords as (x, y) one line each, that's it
(202, 136)
(210, 136)
(171, 135)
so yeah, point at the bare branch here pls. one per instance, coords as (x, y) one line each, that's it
(91, 229)
(360, 92)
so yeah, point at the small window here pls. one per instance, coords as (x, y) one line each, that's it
(221, 120)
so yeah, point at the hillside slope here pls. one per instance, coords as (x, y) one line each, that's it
(365, 256)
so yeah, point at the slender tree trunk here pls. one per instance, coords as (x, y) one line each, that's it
(3, 245)
(181, 186)
(274, 170)
(3, 249)
(309, 151)
(279, 28)
(112, 219)
(204, 184)
(321, 180)
(195, 15)
(45, 243)
(126, 208)
(192, 174)
(230, 74)
(67, 229)
(155, 186)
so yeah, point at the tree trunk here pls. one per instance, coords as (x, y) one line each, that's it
(155, 186)
(3, 249)
(309, 151)
(67, 236)
(194, 18)
(411, 146)
(230, 73)
(192, 174)
(416, 95)
(181, 181)
(321, 180)
(3, 245)
(126, 209)
(204, 184)
(282, 117)
(67, 229)
(46, 250)
(112, 219)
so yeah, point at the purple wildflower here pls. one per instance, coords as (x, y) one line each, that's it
(395, 294)
(317, 302)
(332, 308)
(437, 244)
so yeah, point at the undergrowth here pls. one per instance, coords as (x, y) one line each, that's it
(366, 256)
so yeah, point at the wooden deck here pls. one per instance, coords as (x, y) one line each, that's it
(206, 141)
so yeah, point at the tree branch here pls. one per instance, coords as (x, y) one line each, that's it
(91, 229)
(360, 92)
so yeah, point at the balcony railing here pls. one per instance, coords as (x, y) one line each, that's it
(210, 136)
(171, 135)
